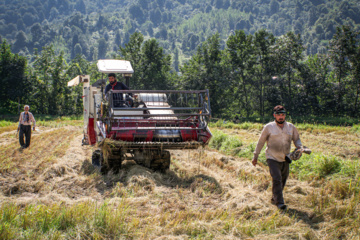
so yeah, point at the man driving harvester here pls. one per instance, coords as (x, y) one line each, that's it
(115, 85)
(278, 136)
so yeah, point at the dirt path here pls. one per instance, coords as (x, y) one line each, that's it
(7, 137)
(60, 181)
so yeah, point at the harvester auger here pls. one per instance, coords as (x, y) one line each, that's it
(140, 125)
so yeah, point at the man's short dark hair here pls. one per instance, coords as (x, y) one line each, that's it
(279, 109)
(112, 75)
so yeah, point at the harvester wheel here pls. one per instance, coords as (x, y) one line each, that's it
(114, 160)
(95, 158)
(161, 162)
(98, 161)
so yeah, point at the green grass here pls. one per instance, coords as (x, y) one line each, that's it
(232, 145)
(322, 128)
(304, 126)
(315, 165)
(41, 117)
(315, 120)
(320, 166)
(59, 123)
(248, 152)
(10, 122)
(308, 167)
(356, 128)
(225, 143)
(84, 220)
(332, 121)
(88, 220)
(231, 125)
(5, 123)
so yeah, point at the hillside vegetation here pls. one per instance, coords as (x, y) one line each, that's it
(51, 191)
(96, 28)
(247, 79)
(250, 55)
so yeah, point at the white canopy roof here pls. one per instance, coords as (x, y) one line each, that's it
(114, 66)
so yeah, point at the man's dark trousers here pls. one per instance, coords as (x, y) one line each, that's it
(279, 172)
(25, 130)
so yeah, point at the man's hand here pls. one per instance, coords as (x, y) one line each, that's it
(254, 162)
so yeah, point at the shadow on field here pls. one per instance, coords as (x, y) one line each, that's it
(132, 173)
(312, 221)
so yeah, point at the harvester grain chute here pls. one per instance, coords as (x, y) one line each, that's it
(140, 125)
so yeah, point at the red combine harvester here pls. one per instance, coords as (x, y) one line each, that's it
(140, 125)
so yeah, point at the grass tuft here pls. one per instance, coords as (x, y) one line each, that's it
(88, 219)
(225, 143)
(316, 165)
(230, 125)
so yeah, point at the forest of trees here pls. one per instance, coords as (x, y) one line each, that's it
(246, 78)
(96, 29)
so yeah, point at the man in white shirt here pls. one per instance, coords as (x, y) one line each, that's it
(25, 120)
(278, 135)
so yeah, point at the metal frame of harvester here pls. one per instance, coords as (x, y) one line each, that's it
(140, 125)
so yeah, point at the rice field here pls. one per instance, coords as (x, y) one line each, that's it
(51, 190)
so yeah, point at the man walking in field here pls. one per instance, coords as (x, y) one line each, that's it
(278, 136)
(25, 120)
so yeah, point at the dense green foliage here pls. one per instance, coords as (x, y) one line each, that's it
(42, 86)
(13, 81)
(96, 28)
(247, 78)
(256, 72)
(250, 55)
